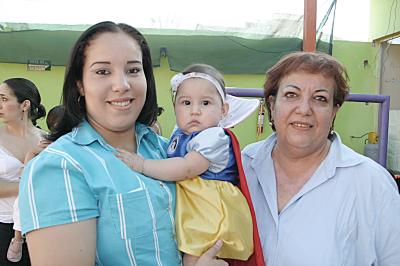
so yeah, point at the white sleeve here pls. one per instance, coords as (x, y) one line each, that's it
(213, 144)
(387, 230)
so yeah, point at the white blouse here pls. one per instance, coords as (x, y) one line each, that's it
(10, 168)
(348, 212)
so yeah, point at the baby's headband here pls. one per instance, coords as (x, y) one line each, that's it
(239, 108)
(180, 77)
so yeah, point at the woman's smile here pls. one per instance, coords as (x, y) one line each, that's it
(301, 125)
(121, 104)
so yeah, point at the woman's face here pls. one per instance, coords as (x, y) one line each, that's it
(113, 83)
(303, 110)
(10, 108)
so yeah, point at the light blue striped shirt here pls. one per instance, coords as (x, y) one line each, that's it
(348, 212)
(78, 178)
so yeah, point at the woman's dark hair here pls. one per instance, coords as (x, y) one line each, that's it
(209, 70)
(309, 62)
(54, 116)
(23, 90)
(75, 110)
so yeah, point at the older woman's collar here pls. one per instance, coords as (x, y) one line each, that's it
(340, 155)
(343, 156)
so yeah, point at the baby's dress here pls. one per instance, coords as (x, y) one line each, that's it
(211, 207)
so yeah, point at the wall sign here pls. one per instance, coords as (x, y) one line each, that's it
(38, 65)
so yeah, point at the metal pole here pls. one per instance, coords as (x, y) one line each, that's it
(383, 120)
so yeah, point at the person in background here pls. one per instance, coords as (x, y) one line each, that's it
(14, 253)
(200, 154)
(317, 202)
(106, 214)
(54, 116)
(156, 126)
(20, 107)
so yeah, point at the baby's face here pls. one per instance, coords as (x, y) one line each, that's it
(198, 105)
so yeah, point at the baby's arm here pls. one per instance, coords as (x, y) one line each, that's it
(171, 169)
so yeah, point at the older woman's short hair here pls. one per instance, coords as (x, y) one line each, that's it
(309, 62)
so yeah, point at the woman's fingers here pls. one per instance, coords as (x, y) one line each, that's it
(36, 150)
(209, 258)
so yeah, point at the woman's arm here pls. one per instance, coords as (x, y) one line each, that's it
(8, 189)
(171, 169)
(63, 245)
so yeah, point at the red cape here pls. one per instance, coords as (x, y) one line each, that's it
(257, 259)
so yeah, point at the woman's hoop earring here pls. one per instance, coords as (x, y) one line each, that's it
(80, 100)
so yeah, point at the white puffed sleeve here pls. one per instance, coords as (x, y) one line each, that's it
(213, 144)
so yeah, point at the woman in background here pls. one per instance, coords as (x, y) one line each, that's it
(20, 107)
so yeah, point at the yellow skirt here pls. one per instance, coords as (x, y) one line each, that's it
(209, 210)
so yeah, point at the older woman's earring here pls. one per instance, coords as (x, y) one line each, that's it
(271, 123)
(331, 131)
(22, 117)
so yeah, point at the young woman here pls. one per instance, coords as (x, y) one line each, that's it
(80, 204)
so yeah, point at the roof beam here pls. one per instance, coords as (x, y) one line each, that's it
(386, 38)
(310, 25)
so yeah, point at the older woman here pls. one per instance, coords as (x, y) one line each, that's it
(317, 201)
(20, 107)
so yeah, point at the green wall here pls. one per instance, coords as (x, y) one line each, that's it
(354, 119)
(48, 82)
(384, 18)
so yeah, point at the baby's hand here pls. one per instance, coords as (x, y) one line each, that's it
(134, 161)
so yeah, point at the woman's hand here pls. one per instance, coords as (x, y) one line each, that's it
(36, 150)
(209, 257)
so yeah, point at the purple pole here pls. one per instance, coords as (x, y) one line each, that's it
(383, 120)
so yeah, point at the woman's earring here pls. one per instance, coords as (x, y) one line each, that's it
(331, 130)
(81, 100)
(271, 123)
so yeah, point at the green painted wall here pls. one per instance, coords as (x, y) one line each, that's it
(48, 82)
(354, 118)
(384, 18)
